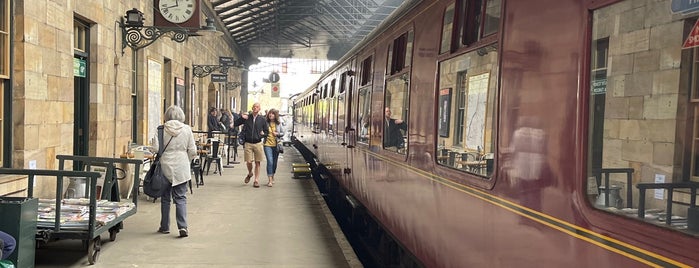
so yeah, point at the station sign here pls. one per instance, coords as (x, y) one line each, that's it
(79, 67)
(219, 78)
(684, 6)
(693, 38)
(226, 61)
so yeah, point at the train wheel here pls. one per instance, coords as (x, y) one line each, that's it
(93, 250)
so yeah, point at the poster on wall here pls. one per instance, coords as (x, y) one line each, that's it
(444, 111)
(155, 88)
(477, 98)
(179, 93)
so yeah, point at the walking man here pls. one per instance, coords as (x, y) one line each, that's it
(254, 129)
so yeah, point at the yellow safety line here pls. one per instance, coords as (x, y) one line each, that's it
(460, 187)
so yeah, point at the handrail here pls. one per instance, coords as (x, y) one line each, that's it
(671, 186)
(606, 172)
(110, 165)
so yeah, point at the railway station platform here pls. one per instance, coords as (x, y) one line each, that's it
(231, 224)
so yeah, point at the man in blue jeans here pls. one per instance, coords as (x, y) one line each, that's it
(7, 244)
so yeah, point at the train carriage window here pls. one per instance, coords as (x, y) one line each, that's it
(366, 71)
(364, 115)
(643, 127)
(395, 122)
(447, 25)
(466, 116)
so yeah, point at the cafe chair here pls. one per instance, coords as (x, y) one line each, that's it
(214, 157)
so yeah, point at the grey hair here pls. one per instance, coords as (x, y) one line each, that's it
(174, 113)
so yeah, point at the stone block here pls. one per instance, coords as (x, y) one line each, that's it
(632, 130)
(670, 58)
(52, 64)
(616, 108)
(612, 154)
(635, 41)
(638, 84)
(663, 153)
(615, 85)
(611, 128)
(635, 107)
(666, 82)
(646, 61)
(661, 130)
(638, 151)
(657, 13)
(660, 106)
(667, 35)
(620, 65)
(631, 20)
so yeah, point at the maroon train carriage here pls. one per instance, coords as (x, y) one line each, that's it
(539, 133)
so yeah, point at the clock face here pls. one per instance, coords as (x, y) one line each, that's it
(177, 11)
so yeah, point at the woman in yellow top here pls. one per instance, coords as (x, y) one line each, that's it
(271, 149)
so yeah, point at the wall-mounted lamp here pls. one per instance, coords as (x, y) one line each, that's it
(205, 70)
(137, 36)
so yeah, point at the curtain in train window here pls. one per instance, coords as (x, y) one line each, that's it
(643, 126)
(466, 116)
(395, 121)
(364, 115)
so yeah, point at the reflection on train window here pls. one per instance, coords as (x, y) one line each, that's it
(466, 121)
(364, 116)
(643, 139)
(395, 122)
(472, 26)
(446, 29)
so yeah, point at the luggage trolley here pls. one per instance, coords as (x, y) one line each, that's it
(89, 236)
(91, 233)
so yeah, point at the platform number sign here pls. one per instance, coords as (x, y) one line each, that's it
(693, 38)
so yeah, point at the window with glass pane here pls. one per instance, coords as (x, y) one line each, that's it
(473, 79)
(364, 114)
(642, 119)
(365, 72)
(446, 29)
(478, 19)
(395, 121)
(492, 17)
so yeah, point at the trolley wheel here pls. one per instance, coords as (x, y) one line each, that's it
(93, 250)
(112, 234)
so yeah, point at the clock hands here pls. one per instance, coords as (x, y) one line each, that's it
(176, 4)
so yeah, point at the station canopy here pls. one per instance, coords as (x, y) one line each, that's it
(320, 29)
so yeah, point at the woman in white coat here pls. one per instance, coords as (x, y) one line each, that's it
(180, 149)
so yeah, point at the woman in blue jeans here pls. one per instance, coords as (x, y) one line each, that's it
(7, 245)
(178, 152)
(271, 152)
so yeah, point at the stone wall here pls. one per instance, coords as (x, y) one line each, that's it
(43, 95)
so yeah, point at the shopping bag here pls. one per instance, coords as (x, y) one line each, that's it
(280, 148)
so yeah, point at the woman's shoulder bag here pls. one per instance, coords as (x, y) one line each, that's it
(155, 181)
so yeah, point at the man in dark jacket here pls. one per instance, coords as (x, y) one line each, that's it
(393, 136)
(255, 128)
(212, 122)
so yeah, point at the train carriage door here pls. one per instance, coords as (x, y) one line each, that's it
(341, 106)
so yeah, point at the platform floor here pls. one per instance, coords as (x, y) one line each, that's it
(231, 224)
